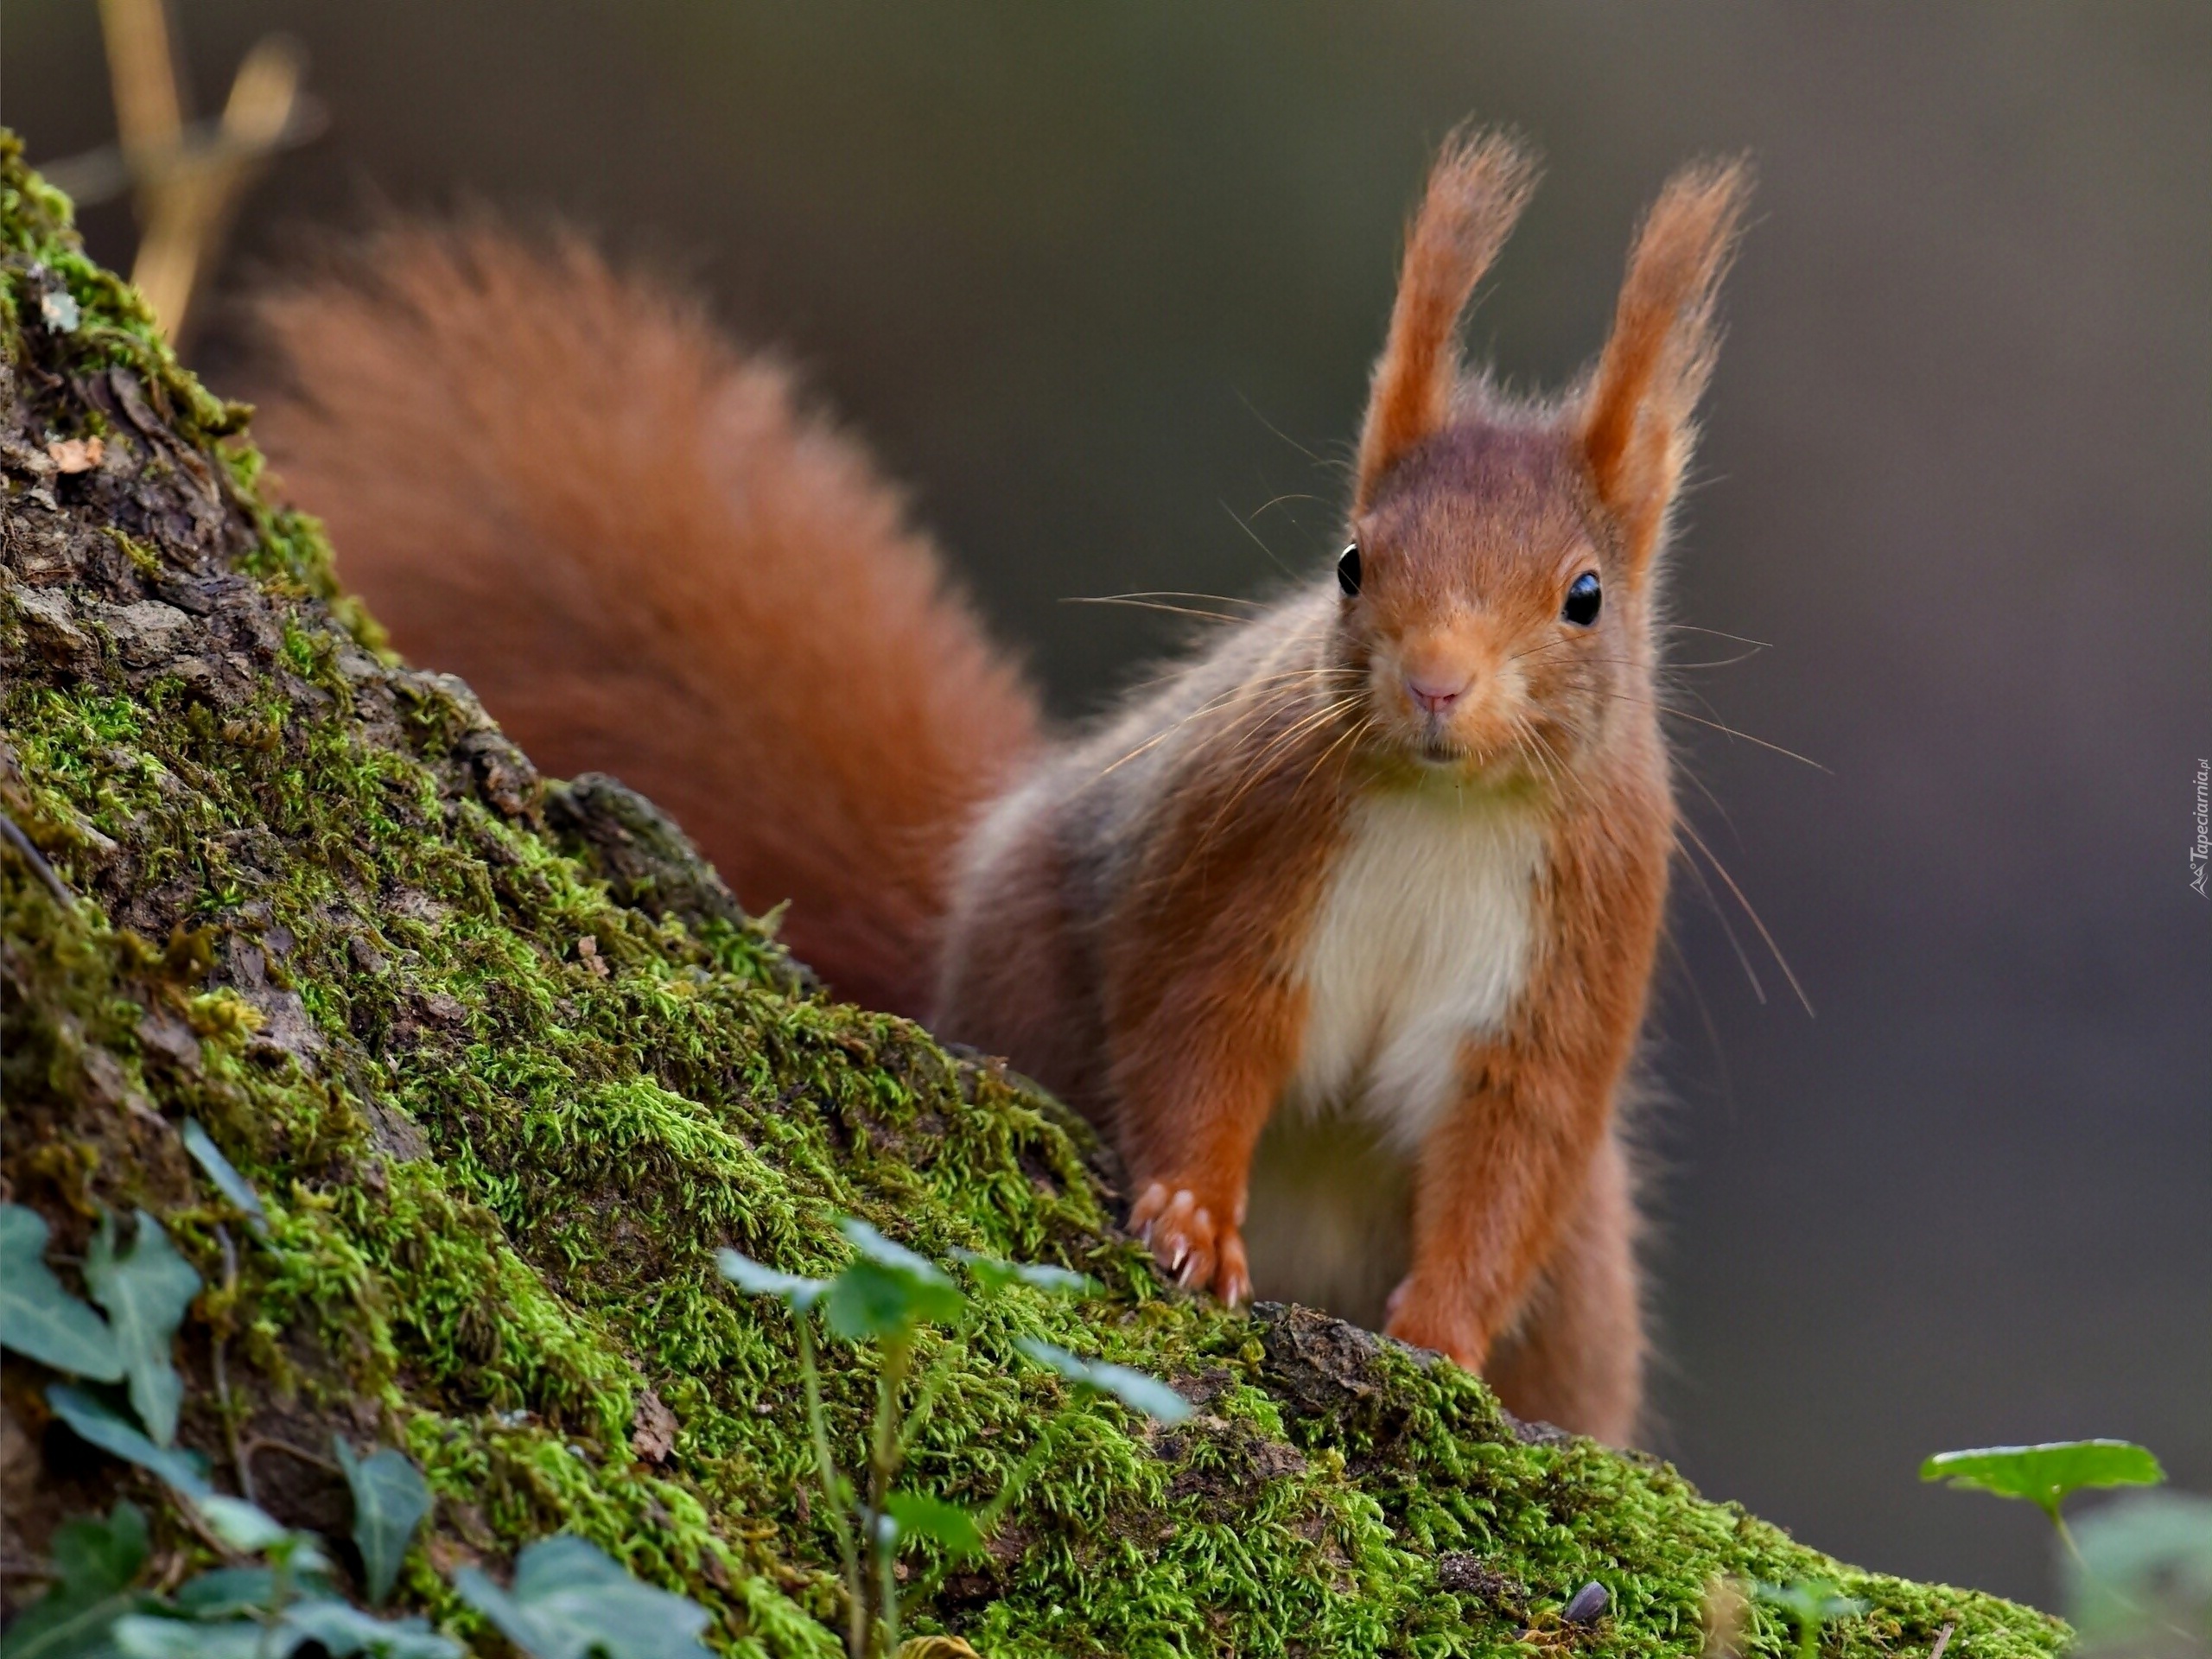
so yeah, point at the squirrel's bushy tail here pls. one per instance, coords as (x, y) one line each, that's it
(649, 558)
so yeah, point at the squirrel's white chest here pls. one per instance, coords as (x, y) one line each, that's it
(1422, 940)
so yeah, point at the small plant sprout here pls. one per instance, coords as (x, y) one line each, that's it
(2047, 1475)
(884, 1297)
(1809, 1605)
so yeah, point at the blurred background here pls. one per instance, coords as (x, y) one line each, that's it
(1102, 285)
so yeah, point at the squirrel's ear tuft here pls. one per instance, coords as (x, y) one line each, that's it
(1476, 190)
(1637, 421)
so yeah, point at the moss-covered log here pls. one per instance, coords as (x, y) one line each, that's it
(507, 1065)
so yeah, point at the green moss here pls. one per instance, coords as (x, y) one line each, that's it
(496, 1164)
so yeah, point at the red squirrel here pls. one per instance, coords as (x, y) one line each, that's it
(1341, 932)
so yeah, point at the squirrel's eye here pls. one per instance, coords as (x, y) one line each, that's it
(1583, 598)
(1348, 571)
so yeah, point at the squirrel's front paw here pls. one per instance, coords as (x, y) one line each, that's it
(1194, 1240)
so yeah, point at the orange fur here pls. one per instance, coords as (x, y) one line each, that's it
(1477, 189)
(1393, 859)
(1577, 1354)
(1178, 857)
(648, 558)
(1637, 427)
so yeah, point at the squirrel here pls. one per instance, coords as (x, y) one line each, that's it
(1341, 932)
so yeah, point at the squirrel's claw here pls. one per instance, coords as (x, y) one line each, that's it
(1232, 1280)
(1183, 1236)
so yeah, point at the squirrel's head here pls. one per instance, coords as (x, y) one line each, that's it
(1497, 586)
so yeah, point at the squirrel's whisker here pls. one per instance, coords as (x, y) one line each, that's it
(1684, 827)
(1684, 714)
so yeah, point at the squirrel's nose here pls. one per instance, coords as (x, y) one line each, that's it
(1432, 696)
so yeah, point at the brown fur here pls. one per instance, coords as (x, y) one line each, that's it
(1126, 917)
(1177, 856)
(1637, 423)
(1476, 190)
(648, 558)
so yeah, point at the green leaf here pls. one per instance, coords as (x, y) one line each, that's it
(756, 1279)
(389, 1500)
(1811, 1602)
(107, 1552)
(2045, 1475)
(869, 1299)
(145, 1292)
(924, 1516)
(569, 1600)
(2145, 1570)
(38, 1318)
(233, 1185)
(251, 1530)
(94, 1563)
(246, 1528)
(995, 1275)
(1132, 1388)
(889, 1290)
(342, 1631)
(108, 1429)
(874, 1247)
(140, 1636)
(226, 1591)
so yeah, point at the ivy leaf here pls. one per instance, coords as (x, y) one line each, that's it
(109, 1551)
(569, 1599)
(2045, 1475)
(246, 1528)
(103, 1427)
(924, 1516)
(757, 1279)
(38, 1318)
(1132, 1388)
(995, 1275)
(341, 1630)
(251, 1530)
(233, 1185)
(389, 1500)
(145, 1292)
(226, 1591)
(94, 1563)
(142, 1636)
